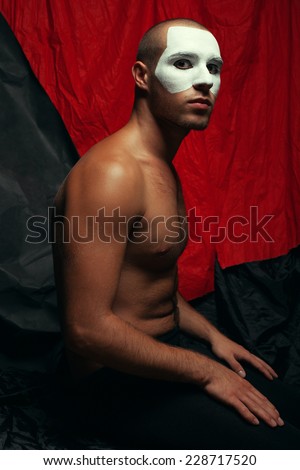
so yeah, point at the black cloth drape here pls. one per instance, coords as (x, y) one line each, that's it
(36, 154)
(258, 304)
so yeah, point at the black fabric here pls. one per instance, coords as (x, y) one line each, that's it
(258, 304)
(137, 413)
(31, 415)
(36, 155)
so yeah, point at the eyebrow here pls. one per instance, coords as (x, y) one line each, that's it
(219, 60)
(183, 53)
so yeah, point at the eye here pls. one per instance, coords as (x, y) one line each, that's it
(213, 69)
(183, 64)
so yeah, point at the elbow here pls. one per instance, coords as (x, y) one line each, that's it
(77, 339)
(81, 339)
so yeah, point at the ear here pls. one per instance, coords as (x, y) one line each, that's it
(141, 75)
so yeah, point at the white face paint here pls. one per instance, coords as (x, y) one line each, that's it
(192, 57)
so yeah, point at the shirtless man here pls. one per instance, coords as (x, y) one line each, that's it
(122, 314)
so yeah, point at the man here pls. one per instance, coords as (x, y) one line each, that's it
(138, 376)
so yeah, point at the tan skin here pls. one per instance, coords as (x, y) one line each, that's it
(117, 297)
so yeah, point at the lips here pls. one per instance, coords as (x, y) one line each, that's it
(200, 104)
(200, 101)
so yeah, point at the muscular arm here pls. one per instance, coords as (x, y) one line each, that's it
(88, 278)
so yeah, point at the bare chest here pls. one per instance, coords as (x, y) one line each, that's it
(159, 237)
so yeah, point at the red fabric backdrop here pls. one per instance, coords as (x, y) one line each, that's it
(82, 52)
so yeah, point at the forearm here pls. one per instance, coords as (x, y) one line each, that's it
(118, 345)
(195, 323)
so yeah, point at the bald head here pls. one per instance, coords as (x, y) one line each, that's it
(154, 40)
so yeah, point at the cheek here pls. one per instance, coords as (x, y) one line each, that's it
(216, 85)
(174, 80)
(163, 103)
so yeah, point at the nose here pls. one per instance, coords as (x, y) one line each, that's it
(203, 80)
(203, 86)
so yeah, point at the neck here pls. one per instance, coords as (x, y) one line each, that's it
(152, 135)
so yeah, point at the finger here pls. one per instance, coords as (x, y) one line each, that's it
(270, 412)
(244, 411)
(263, 402)
(268, 367)
(256, 362)
(267, 405)
(237, 367)
(262, 366)
(260, 396)
(261, 412)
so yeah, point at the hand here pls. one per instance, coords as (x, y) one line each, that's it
(226, 386)
(232, 353)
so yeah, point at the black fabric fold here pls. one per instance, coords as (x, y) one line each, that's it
(258, 304)
(36, 155)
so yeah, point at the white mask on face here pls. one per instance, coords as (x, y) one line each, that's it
(192, 57)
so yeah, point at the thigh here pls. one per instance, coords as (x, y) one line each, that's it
(284, 396)
(139, 413)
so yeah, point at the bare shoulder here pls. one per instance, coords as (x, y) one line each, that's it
(106, 175)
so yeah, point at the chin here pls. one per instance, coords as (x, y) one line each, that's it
(199, 126)
(196, 125)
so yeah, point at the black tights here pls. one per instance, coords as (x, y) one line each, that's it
(136, 413)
